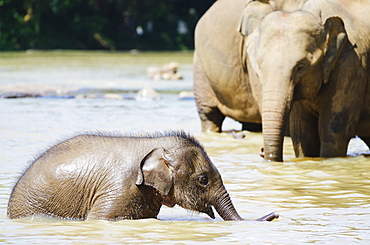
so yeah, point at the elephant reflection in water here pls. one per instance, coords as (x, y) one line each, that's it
(113, 177)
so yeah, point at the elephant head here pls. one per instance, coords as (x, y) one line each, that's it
(292, 55)
(187, 177)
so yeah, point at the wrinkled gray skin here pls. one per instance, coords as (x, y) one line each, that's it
(221, 83)
(313, 64)
(92, 177)
(222, 87)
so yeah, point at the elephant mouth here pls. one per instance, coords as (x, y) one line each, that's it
(209, 212)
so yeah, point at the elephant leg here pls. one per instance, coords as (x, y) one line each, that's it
(206, 100)
(336, 147)
(113, 208)
(336, 130)
(105, 210)
(341, 107)
(252, 127)
(211, 119)
(304, 132)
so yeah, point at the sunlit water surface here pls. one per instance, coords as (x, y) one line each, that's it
(320, 201)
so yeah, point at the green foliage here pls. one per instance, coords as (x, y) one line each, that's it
(99, 24)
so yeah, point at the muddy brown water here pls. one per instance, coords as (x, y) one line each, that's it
(320, 201)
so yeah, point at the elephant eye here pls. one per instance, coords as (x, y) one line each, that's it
(203, 179)
(300, 69)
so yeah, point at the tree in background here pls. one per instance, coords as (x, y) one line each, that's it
(99, 24)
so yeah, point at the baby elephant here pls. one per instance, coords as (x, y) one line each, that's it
(112, 177)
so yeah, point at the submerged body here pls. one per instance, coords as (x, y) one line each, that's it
(121, 177)
(81, 180)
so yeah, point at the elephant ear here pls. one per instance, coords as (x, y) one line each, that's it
(252, 48)
(154, 171)
(252, 15)
(336, 39)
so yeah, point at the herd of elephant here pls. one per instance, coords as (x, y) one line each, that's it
(300, 65)
(296, 67)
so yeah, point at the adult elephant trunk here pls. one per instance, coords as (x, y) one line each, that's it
(225, 207)
(276, 101)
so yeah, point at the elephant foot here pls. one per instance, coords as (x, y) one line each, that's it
(269, 217)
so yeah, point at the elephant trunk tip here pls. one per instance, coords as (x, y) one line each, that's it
(273, 158)
(269, 217)
(270, 157)
(272, 154)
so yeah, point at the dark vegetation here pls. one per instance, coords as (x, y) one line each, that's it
(99, 24)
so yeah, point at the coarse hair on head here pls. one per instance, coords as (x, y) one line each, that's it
(184, 138)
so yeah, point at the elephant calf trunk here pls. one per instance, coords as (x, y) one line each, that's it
(227, 211)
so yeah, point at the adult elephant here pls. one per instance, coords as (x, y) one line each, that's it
(221, 78)
(313, 64)
(221, 83)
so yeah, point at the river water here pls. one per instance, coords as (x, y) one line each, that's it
(320, 201)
